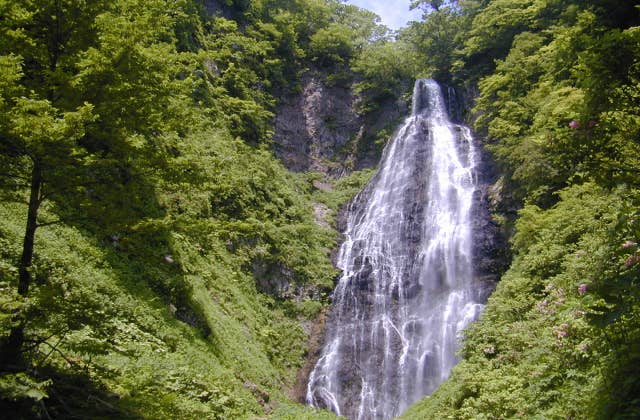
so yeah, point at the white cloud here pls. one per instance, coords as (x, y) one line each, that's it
(394, 13)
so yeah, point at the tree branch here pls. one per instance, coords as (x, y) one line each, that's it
(71, 362)
(49, 354)
(64, 220)
(106, 404)
(61, 401)
(36, 343)
(44, 408)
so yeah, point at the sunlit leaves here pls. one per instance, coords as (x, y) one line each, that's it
(435, 40)
(331, 45)
(385, 68)
(19, 385)
(43, 133)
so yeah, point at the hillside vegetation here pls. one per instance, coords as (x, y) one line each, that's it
(156, 261)
(557, 102)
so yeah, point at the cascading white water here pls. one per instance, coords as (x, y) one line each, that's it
(405, 292)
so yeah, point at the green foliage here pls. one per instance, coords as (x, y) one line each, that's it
(109, 319)
(385, 68)
(493, 29)
(174, 256)
(331, 45)
(235, 71)
(435, 40)
(544, 111)
(297, 412)
(20, 385)
(169, 247)
(556, 105)
(546, 341)
(309, 309)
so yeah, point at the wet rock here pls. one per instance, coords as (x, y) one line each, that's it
(403, 234)
(490, 251)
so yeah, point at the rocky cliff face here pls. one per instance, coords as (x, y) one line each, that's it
(491, 207)
(491, 255)
(319, 129)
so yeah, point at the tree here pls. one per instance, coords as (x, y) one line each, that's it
(85, 101)
(428, 4)
(437, 38)
(331, 45)
(44, 141)
(42, 123)
(384, 67)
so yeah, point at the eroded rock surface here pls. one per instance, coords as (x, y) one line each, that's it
(319, 129)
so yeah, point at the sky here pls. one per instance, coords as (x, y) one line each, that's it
(394, 13)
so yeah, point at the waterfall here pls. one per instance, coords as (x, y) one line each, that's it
(405, 292)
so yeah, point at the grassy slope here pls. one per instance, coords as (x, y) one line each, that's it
(166, 321)
(187, 336)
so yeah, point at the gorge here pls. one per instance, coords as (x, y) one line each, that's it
(191, 224)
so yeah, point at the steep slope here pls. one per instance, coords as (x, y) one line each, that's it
(557, 106)
(170, 262)
(163, 317)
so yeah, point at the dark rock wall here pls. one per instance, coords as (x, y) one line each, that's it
(312, 128)
(490, 248)
(319, 129)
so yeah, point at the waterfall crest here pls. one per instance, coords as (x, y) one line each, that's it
(405, 292)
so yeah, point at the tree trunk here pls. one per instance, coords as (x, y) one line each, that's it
(12, 351)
